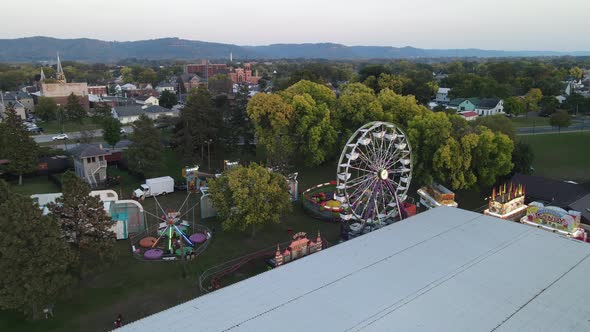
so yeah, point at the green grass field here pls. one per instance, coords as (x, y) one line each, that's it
(54, 127)
(34, 185)
(563, 156)
(531, 121)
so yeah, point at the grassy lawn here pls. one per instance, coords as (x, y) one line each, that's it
(54, 127)
(561, 156)
(531, 121)
(34, 185)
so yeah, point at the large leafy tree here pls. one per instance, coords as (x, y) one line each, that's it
(560, 119)
(492, 157)
(102, 110)
(168, 99)
(514, 106)
(399, 109)
(497, 123)
(145, 152)
(219, 84)
(46, 109)
(238, 128)
(532, 99)
(17, 146)
(522, 158)
(452, 162)
(198, 126)
(148, 75)
(84, 223)
(272, 117)
(74, 110)
(30, 278)
(111, 131)
(427, 133)
(250, 198)
(356, 106)
(312, 128)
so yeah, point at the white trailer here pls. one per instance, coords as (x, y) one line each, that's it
(155, 187)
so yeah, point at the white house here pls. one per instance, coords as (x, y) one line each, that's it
(129, 86)
(442, 96)
(129, 114)
(147, 100)
(489, 106)
(165, 86)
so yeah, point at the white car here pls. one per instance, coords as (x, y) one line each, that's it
(122, 131)
(60, 137)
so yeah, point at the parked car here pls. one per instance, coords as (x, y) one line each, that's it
(60, 137)
(122, 131)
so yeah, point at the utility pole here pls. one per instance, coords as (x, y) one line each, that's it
(209, 153)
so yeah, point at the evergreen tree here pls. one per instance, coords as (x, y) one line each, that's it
(111, 131)
(168, 99)
(35, 262)
(199, 123)
(84, 223)
(74, 110)
(17, 146)
(145, 152)
(102, 110)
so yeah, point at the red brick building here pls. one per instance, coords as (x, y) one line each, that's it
(205, 69)
(244, 75)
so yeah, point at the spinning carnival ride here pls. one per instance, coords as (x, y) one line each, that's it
(373, 177)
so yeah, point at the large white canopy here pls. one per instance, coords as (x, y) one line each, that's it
(443, 270)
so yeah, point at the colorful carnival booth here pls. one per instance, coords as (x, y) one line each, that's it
(554, 219)
(436, 195)
(507, 202)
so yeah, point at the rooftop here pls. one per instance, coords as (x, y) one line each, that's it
(488, 103)
(140, 109)
(88, 150)
(443, 270)
(557, 193)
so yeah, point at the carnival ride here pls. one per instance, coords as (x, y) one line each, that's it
(373, 177)
(168, 239)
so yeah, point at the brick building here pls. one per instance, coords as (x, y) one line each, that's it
(206, 69)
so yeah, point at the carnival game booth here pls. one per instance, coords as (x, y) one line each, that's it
(435, 195)
(507, 202)
(555, 219)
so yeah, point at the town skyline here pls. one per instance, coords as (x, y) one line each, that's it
(501, 25)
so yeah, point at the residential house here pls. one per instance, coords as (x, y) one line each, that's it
(98, 90)
(442, 96)
(129, 114)
(468, 115)
(10, 99)
(165, 86)
(128, 86)
(191, 81)
(26, 100)
(90, 163)
(490, 106)
(147, 100)
(463, 104)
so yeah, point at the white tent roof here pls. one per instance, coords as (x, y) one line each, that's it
(443, 270)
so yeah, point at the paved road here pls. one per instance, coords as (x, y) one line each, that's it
(583, 125)
(74, 135)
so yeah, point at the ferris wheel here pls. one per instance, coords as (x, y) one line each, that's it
(374, 174)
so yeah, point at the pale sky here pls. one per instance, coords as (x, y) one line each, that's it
(560, 25)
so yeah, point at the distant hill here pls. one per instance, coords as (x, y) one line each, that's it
(93, 50)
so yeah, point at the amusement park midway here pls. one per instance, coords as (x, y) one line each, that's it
(443, 270)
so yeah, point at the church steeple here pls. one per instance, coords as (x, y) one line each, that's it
(42, 78)
(60, 76)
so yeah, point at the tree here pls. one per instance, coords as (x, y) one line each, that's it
(272, 117)
(31, 278)
(46, 109)
(127, 74)
(168, 99)
(391, 82)
(452, 162)
(492, 157)
(532, 99)
(549, 104)
(399, 109)
(249, 197)
(497, 123)
(148, 75)
(75, 110)
(84, 223)
(576, 72)
(514, 106)
(17, 146)
(356, 106)
(560, 119)
(145, 152)
(522, 158)
(197, 127)
(111, 131)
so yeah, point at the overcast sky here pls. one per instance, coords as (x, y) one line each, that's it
(561, 25)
